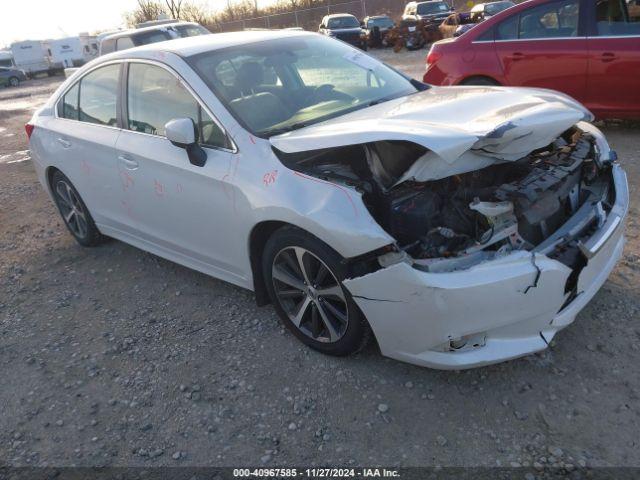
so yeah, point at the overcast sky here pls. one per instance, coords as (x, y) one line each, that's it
(41, 19)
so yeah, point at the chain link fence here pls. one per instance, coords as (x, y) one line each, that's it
(310, 18)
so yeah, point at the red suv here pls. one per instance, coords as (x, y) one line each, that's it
(588, 49)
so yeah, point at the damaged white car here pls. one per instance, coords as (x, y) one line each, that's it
(457, 226)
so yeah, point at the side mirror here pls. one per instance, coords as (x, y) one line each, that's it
(183, 133)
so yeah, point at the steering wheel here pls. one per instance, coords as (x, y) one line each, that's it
(325, 92)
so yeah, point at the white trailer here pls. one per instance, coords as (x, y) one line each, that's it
(65, 52)
(30, 56)
(90, 46)
(6, 59)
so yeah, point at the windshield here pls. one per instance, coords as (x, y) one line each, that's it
(280, 85)
(493, 8)
(430, 8)
(343, 22)
(383, 22)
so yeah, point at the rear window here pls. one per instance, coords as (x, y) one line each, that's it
(108, 46)
(550, 20)
(615, 18)
(123, 43)
(99, 96)
(430, 8)
(343, 22)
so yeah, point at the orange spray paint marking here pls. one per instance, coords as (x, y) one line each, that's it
(270, 178)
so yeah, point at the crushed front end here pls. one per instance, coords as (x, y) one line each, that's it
(506, 257)
(495, 251)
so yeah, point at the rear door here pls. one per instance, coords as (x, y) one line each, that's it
(83, 136)
(613, 84)
(544, 46)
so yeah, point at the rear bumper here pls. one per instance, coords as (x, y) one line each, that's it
(495, 311)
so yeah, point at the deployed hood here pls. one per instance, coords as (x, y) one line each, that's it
(464, 128)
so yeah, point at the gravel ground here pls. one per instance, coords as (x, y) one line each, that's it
(112, 356)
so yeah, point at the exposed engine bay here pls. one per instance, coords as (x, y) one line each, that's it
(453, 222)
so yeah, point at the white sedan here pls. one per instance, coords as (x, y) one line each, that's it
(457, 226)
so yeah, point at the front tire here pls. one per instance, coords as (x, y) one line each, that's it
(14, 81)
(304, 277)
(74, 212)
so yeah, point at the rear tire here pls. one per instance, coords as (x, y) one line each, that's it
(14, 81)
(303, 277)
(480, 81)
(74, 212)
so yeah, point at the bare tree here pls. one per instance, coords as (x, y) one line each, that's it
(146, 10)
(192, 12)
(174, 7)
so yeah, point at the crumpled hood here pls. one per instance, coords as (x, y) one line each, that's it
(503, 123)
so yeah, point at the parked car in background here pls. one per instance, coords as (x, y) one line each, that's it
(456, 24)
(633, 6)
(295, 166)
(11, 77)
(432, 12)
(6, 58)
(376, 29)
(144, 36)
(345, 27)
(589, 50)
(483, 11)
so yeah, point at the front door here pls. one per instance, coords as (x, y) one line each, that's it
(178, 207)
(544, 47)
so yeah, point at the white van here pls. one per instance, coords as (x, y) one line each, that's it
(31, 56)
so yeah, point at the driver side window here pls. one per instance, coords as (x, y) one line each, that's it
(155, 96)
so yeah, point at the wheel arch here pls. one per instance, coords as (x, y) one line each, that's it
(489, 78)
(258, 236)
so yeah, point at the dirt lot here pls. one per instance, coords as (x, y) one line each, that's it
(112, 356)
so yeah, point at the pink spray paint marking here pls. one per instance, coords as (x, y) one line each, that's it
(270, 178)
(127, 181)
(86, 168)
(159, 188)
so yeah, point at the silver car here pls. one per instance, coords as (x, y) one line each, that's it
(457, 226)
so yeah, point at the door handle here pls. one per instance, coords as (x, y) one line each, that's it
(64, 143)
(515, 56)
(129, 163)
(608, 57)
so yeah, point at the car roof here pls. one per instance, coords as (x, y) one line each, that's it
(134, 31)
(186, 47)
(339, 15)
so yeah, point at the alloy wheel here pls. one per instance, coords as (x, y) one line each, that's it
(72, 210)
(14, 82)
(310, 294)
